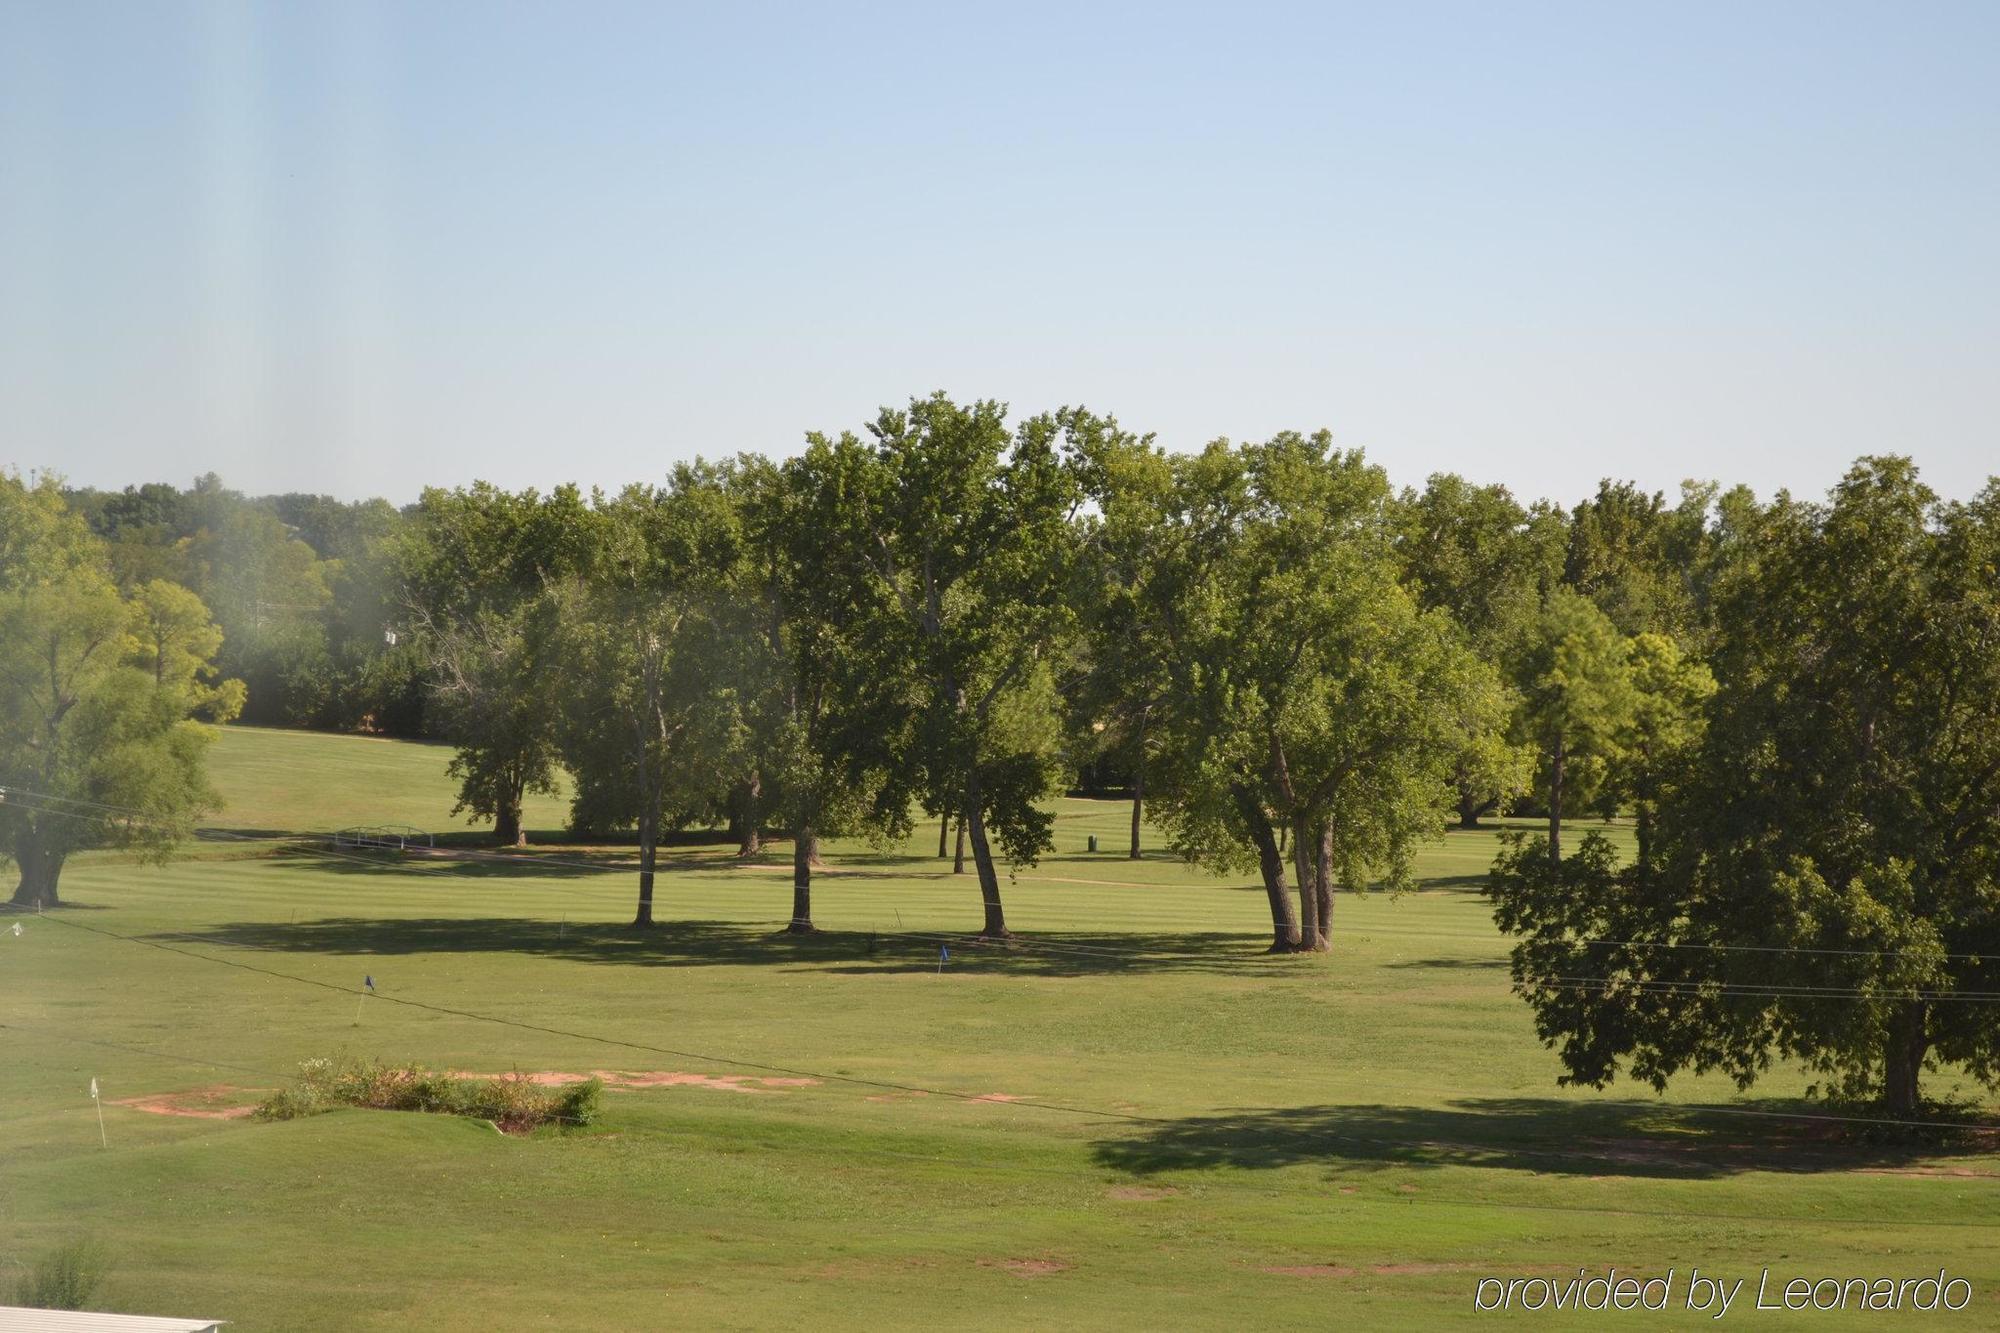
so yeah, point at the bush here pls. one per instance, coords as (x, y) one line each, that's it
(512, 1102)
(65, 1278)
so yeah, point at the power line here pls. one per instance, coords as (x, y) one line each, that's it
(885, 1084)
(448, 1010)
(1772, 990)
(1781, 948)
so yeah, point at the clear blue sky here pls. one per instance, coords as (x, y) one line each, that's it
(363, 248)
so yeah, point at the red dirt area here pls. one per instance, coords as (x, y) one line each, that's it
(214, 1102)
(657, 1078)
(1140, 1193)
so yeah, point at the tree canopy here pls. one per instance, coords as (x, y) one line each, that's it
(99, 698)
(1826, 885)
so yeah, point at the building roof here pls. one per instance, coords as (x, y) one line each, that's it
(19, 1319)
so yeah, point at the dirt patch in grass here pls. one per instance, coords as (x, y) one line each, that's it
(657, 1078)
(1140, 1193)
(998, 1097)
(214, 1102)
(1027, 1267)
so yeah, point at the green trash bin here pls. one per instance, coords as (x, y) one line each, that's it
(1093, 842)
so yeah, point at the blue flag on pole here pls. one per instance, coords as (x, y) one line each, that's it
(943, 953)
(369, 982)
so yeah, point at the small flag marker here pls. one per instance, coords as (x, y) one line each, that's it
(367, 989)
(944, 956)
(102, 1142)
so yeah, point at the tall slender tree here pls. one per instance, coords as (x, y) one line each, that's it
(650, 717)
(1573, 673)
(829, 717)
(966, 535)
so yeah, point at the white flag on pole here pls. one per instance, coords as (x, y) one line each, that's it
(93, 1089)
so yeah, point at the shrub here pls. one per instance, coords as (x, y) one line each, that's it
(65, 1277)
(513, 1102)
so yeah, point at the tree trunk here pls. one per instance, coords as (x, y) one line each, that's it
(1139, 785)
(1138, 803)
(40, 869)
(982, 861)
(1556, 758)
(812, 850)
(1323, 888)
(1470, 806)
(1310, 937)
(747, 841)
(1271, 861)
(649, 840)
(944, 835)
(1903, 1058)
(803, 842)
(507, 830)
(1643, 808)
(958, 857)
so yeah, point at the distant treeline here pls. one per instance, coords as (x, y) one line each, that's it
(304, 587)
(309, 588)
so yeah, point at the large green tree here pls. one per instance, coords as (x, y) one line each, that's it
(1117, 682)
(1826, 880)
(965, 536)
(476, 566)
(1488, 562)
(828, 719)
(1311, 696)
(649, 716)
(99, 699)
(1572, 670)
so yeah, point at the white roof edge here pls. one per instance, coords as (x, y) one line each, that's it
(22, 1319)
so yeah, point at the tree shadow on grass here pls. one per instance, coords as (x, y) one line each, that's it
(1521, 1134)
(1456, 883)
(374, 863)
(715, 943)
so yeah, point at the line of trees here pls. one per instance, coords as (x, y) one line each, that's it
(1298, 670)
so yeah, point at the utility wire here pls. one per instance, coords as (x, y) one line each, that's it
(884, 1084)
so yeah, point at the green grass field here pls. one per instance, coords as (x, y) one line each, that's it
(1136, 1119)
